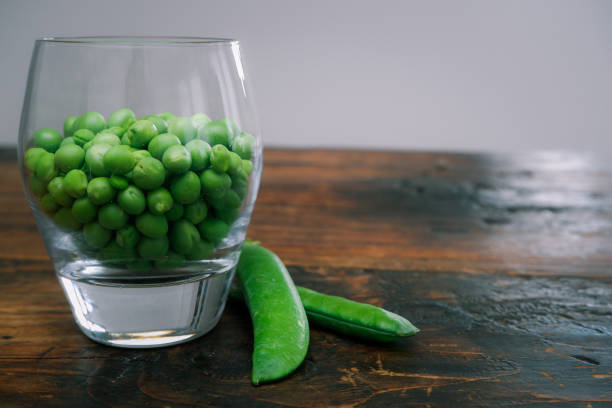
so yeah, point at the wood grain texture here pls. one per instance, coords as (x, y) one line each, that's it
(503, 261)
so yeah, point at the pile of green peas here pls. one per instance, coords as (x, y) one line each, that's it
(157, 191)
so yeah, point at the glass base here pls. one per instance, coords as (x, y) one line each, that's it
(145, 316)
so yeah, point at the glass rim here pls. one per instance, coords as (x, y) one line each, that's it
(111, 40)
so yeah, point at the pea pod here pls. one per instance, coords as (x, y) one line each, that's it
(280, 326)
(349, 317)
(353, 318)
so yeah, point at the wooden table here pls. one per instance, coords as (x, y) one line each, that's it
(503, 261)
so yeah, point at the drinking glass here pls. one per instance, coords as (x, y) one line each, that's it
(139, 276)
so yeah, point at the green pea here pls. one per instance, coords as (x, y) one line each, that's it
(32, 155)
(125, 138)
(215, 184)
(83, 136)
(96, 235)
(234, 130)
(48, 204)
(100, 191)
(213, 230)
(183, 128)
(48, 139)
(56, 189)
(229, 200)
(69, 126)
(106, 137)
(166, 116)
(75, 183)
(243, 145)
(132, 200)
(177, 159)
(92, 121)
(87, 145)
(152, 226)
(46, 168)
(247, 166)
(118, 182)
(200, 154)
(118, 160)
(172, 260)
(115, 130)
(122, 118)
(186, 188)
(219, 158)
(67, 141)
(235, 164)
(141, 133)
(116, 254)
(127, 237)
(63, 219)
(69, 157)
(141, 154)
(228, 215)
(196, 211)
(149, 173)
(140, 265)
(153, 248)
(216, 132)
(160, 124)
(37, 187)
(159, 201)
(160, 143)
(200, 250)
(240, 183)
(83, 210)
(111, 216)
(94, 157)
(183, 236)
(176, 212)
(199, 120)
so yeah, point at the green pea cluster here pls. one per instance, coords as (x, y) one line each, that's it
(162, 189)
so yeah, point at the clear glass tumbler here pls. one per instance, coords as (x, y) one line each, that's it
(141, 160)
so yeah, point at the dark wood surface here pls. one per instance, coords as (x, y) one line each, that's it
(503, 261)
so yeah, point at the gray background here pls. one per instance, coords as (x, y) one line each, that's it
(444, 75)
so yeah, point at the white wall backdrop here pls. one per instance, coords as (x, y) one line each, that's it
(450, 75)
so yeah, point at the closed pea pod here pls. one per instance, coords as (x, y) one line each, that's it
(281, 333)
(353, 318)
(348, 317)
